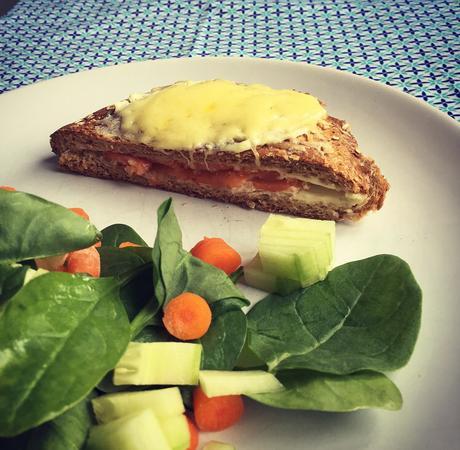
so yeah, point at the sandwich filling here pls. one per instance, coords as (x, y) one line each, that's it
(306, 190)
(217, 114)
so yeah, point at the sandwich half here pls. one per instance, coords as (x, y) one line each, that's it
(273, 150)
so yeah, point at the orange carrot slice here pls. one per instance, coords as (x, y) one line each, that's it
(216, 413)
(128, 244)
(187, 316)
(80, 212)
(7, 188)
(194, 437)
(86, 260)
(218, 253)
(52, 263)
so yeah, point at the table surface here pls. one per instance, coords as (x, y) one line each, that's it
(410, 44)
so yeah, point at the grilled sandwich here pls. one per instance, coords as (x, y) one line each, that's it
(273, 150)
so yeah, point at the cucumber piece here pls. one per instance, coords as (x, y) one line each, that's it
(220, 382)
(291, 263)
(255, 276)
(175, 363)
(163, 403)
(138, 431)
(298, 228)
(296, 248)
(217, 445)
(31, 274)
(176, 431)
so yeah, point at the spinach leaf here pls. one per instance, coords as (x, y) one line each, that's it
(154, 334)
(117, 261)
(67, 432)
(225, 338)
(31, 227)
(364, 315)
(335, 393)
(132, 268)
(59, 335)
(11, 280)
(235, 276)
(115, 234)
(177, 271)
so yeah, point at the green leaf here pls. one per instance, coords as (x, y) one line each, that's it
(11, 280)
(67, 432)
(132, 268)
(177, 271)
(59, 335)
(223, 342)
(31, 227)
(117, 261)
(235, 276)
(335, 393)
(364, 315)
(154, 334)
(115, 234)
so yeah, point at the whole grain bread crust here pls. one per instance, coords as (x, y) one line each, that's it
(330, 154)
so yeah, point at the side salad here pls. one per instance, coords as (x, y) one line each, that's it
(106, 342)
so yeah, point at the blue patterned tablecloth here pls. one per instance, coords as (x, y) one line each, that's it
(410, 44)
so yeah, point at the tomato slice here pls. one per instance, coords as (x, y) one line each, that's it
(230, 179)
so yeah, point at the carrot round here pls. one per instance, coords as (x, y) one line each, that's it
(128, 244)
(216, 413)
(187, 316)
(86, 260)
(194, 438)
(218, 253)
(80, 212)
(7, 188)
(52, 263)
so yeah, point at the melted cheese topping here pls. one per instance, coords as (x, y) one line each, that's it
(218, 114)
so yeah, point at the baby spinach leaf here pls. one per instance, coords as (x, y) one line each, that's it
(177, 271)
(59, 335)
(364, 315)
(335, 393)
(132, 268)
(11, 280)
(115, 234)
(31, 227)
(67, 432)
(225, 338)
(235, 276)
(116, 261)
(154, 334)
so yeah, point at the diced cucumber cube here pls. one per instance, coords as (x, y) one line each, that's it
(163, 403)
(175, 363)
(176, 430)
(138, 431)
(220, 382)
(255, 276)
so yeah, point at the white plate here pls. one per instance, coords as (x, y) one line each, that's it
(417, 148)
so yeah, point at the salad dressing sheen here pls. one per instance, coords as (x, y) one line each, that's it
(218, 114)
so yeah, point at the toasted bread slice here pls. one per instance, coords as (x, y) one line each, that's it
(318, 175)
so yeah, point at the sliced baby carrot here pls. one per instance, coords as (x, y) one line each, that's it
(218, 253)
(128, 244)
(52, 263)
(194, 438)
(86, 260)
(7, 188)
(80, 212)
(187, 316)
(216, 413)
